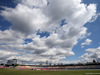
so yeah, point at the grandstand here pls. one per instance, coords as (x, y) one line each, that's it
(58, 67)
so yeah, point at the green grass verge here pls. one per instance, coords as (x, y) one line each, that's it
(32, 72)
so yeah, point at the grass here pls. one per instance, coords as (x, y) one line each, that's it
(32, 72)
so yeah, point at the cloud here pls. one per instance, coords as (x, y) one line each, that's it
(5, 54)
(11, 37)
(82, 46)
(89, 34)
(92, 54)
(49, 16)
(32, 16)
(87, 42)
(24, 16)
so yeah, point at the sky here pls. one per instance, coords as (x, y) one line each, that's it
(57, 31)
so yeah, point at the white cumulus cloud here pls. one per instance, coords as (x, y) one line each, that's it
(31, 16)
(86, 42)
(92, 54)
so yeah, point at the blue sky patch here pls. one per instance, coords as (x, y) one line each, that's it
(42, 34)
(63, 22)
(27, 41)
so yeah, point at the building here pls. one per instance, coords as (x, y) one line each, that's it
(12, 62)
